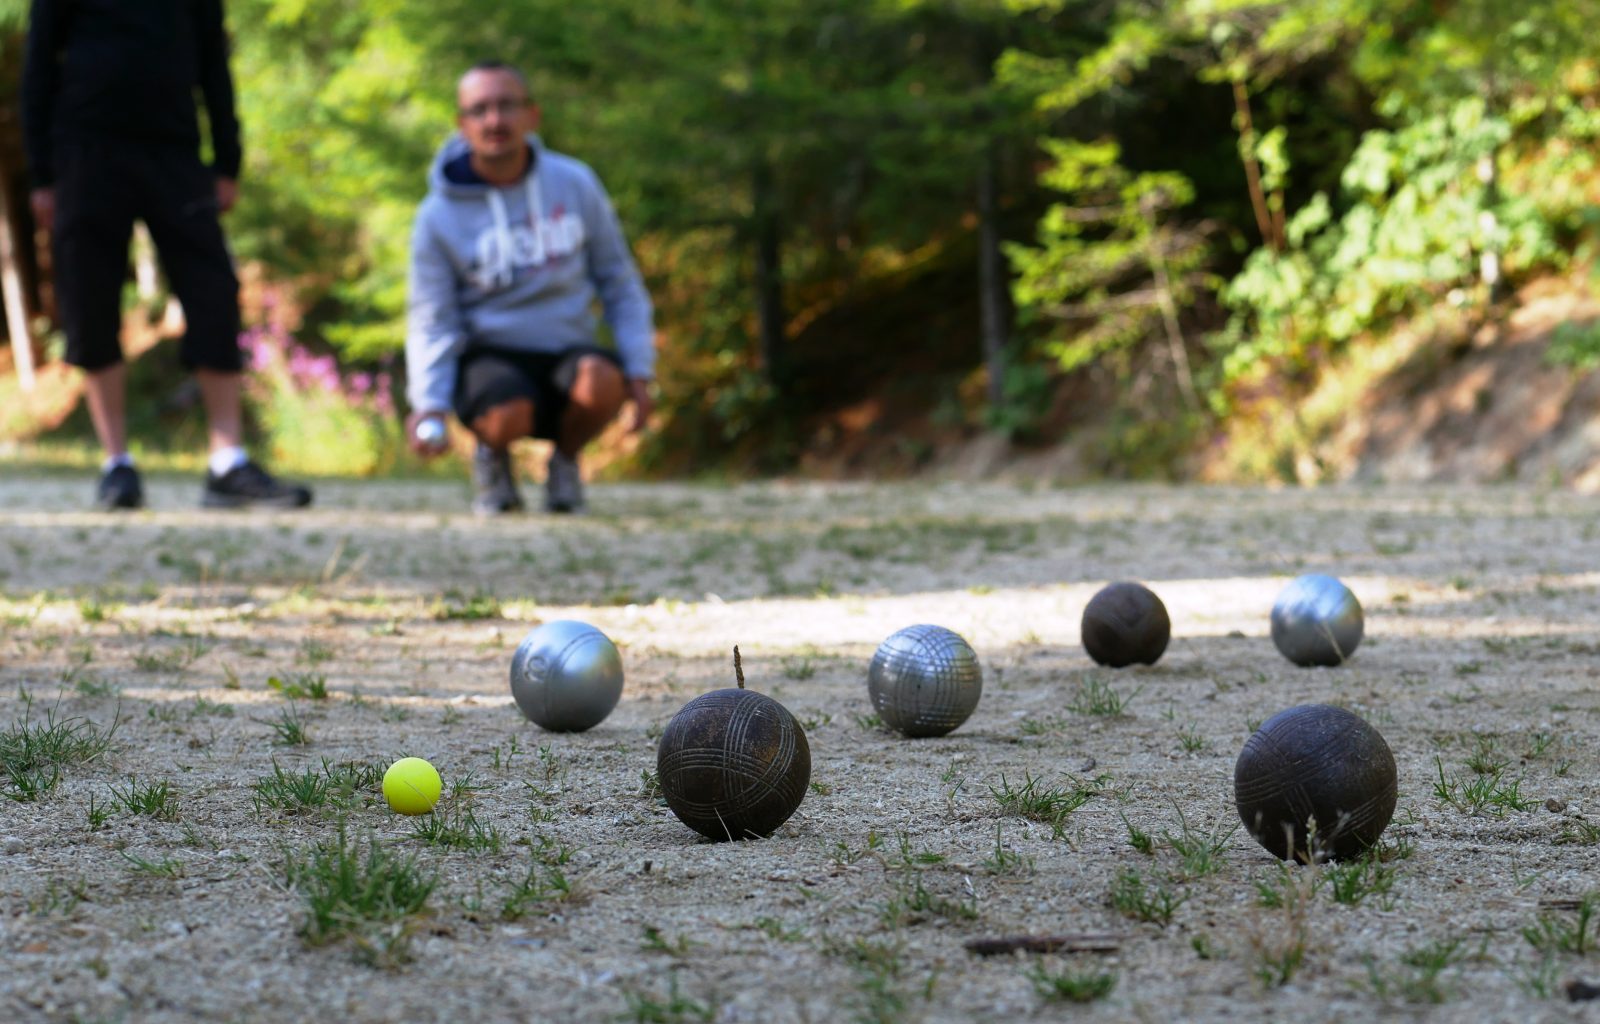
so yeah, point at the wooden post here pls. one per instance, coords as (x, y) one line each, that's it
(11, 292)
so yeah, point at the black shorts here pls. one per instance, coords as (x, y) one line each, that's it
(486, 377)
(102, 186)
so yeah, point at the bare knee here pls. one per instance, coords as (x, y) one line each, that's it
(597, 388)
(500, 425)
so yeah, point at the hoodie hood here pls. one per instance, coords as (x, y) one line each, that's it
(444, 173)
(451, 175)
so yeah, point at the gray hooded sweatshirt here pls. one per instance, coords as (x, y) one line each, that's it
(519, 267)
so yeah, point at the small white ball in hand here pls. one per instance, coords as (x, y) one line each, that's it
(430, 432)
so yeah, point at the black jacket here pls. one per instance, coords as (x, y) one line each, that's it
(127, 69)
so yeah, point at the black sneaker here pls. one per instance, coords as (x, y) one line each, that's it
(119, 488)
(563, 484)
(495, 482)
(249, 484)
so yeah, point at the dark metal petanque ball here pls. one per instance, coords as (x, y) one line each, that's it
(1315, 766)
(733, 764)
(1317, 621)
(924, 681)
(1124, 624)
(566, 676)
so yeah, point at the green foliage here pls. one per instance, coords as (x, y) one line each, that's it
(316, 419)
(1575, 346)
(338, 138)
(1110, 269)
(1419, 218)
(1027, 393)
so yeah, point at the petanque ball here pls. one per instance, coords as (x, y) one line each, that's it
(566, 676)
(924, 681)
(1125, 623)
(1315, 767)
(1317, 621)
(733, 764)
(431, 432)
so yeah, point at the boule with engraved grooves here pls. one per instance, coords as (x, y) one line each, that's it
(733, 763)
(1125, 623)
(566, 676)
(924, 680)
(1315, 782)
(1317, 621)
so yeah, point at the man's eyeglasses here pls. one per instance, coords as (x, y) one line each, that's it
(505, 108)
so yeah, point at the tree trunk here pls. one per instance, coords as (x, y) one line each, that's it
(1271, 230)
(11, 291)
(1177, 348)
(991, 279)
(769, 281)
(1489, 224)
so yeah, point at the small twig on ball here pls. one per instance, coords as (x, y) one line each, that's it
(738, 667)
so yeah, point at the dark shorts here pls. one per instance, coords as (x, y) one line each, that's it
(103, 186)
(487, 377)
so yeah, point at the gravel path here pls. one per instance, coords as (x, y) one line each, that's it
(565, 890)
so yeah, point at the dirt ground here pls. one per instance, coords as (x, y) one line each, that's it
(566, 890)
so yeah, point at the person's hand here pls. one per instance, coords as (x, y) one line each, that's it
(423, 448)
(43, 201)
(227, 194)
(643, 404)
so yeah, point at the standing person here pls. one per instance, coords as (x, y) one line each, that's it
(510, 249)
(113, 136)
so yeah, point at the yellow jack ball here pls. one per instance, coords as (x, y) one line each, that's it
(412, 786)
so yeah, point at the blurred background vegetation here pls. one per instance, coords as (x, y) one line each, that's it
(936, 219)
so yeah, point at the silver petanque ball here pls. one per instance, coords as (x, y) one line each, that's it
(1317, 621)
(566, 676)
(431, 432)
(924, 681)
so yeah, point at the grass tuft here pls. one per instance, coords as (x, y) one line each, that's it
(1051, 805)
(459, 830)
(1096, 697)
(1072, 987)
(34, 754)
(1562, 933)
(1131, 896)
(362, 894)
(290, 728)
(1487, 793)
(155, 799)
(300, 686)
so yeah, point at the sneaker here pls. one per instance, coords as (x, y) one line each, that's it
(563, 484)
(495, 481)
(249, 484)
(119, 488)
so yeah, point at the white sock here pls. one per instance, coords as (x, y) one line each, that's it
(114, 461)
(225, 460)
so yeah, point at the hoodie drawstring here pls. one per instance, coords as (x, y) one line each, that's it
(500, 272)
(499, 265)
(535, 214)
